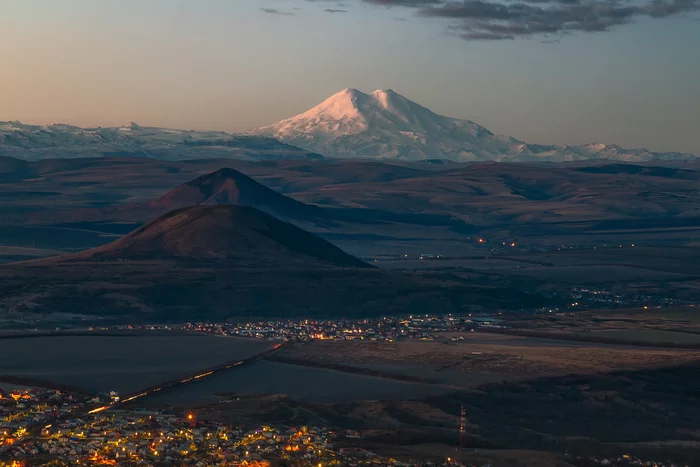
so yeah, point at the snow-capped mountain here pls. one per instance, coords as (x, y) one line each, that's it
(385, 125)
(350, 124)
(32, 142)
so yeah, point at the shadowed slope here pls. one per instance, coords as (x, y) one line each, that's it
(229, 186)
(216, 262)
(230, 232)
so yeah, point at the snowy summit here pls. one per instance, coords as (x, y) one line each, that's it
(385, 124)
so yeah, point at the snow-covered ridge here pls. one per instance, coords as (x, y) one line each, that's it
(384, 124)
(33, 142)
(349, 124)
(18, 134)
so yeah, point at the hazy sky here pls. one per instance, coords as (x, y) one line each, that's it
(619, 71)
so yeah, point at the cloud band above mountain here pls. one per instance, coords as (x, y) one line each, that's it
(512, 19)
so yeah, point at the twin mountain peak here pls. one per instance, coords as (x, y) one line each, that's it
(350, 124)
(387, 125)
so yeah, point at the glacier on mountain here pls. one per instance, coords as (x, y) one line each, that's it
(386, 125)
(349, 124)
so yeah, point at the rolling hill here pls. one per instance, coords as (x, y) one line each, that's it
(220, 262)
(227, 232)
(366, 207)
(229, 186)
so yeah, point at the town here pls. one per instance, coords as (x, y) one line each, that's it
(386, 329)
(49, 427)
(382, 329)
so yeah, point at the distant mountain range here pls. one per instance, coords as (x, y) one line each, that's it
(386, 125)
(35, 142)
(351, 124)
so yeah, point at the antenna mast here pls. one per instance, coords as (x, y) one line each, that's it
(463, 428)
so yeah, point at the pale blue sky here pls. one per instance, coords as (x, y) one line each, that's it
(225, 64)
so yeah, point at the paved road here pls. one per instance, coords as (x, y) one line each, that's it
(35, 429)
(173, 384)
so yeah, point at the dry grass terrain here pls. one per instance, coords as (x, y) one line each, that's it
(170, 290)
(680, 325)
(510, 356)
(652, 413)
(573, 226)
(566, 204)
(392, 210)
(556, 395)
(223, 261)
(493, 457)
(15, 253)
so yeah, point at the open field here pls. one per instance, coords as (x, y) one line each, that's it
(535, 205)
(629, 272)
(387, 211)
(343, 372)
(655, 336)
(519, 392)
(124, 364)
(496, 458)
(174, 290)
(483, 357)
(474, 263)
(305, 385)
(684, 318)
(678, 326)
(19, 253)
(598, 274)
(670, 260)
(606, 391)
(651, 412)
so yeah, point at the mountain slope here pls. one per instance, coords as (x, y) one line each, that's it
(385, 124)
(235, 233)
(35, 142)
(218, 262)
(229, 186)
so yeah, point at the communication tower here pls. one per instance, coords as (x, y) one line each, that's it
(463, 428)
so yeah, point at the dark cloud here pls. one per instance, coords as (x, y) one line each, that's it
(491, 20)
(331, 10)
(275, 11)
(405, 3)
(513, 19)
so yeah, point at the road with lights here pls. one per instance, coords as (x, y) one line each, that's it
(168, 385)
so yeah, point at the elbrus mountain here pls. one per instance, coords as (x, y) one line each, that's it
(350, 124)
(387, 125)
